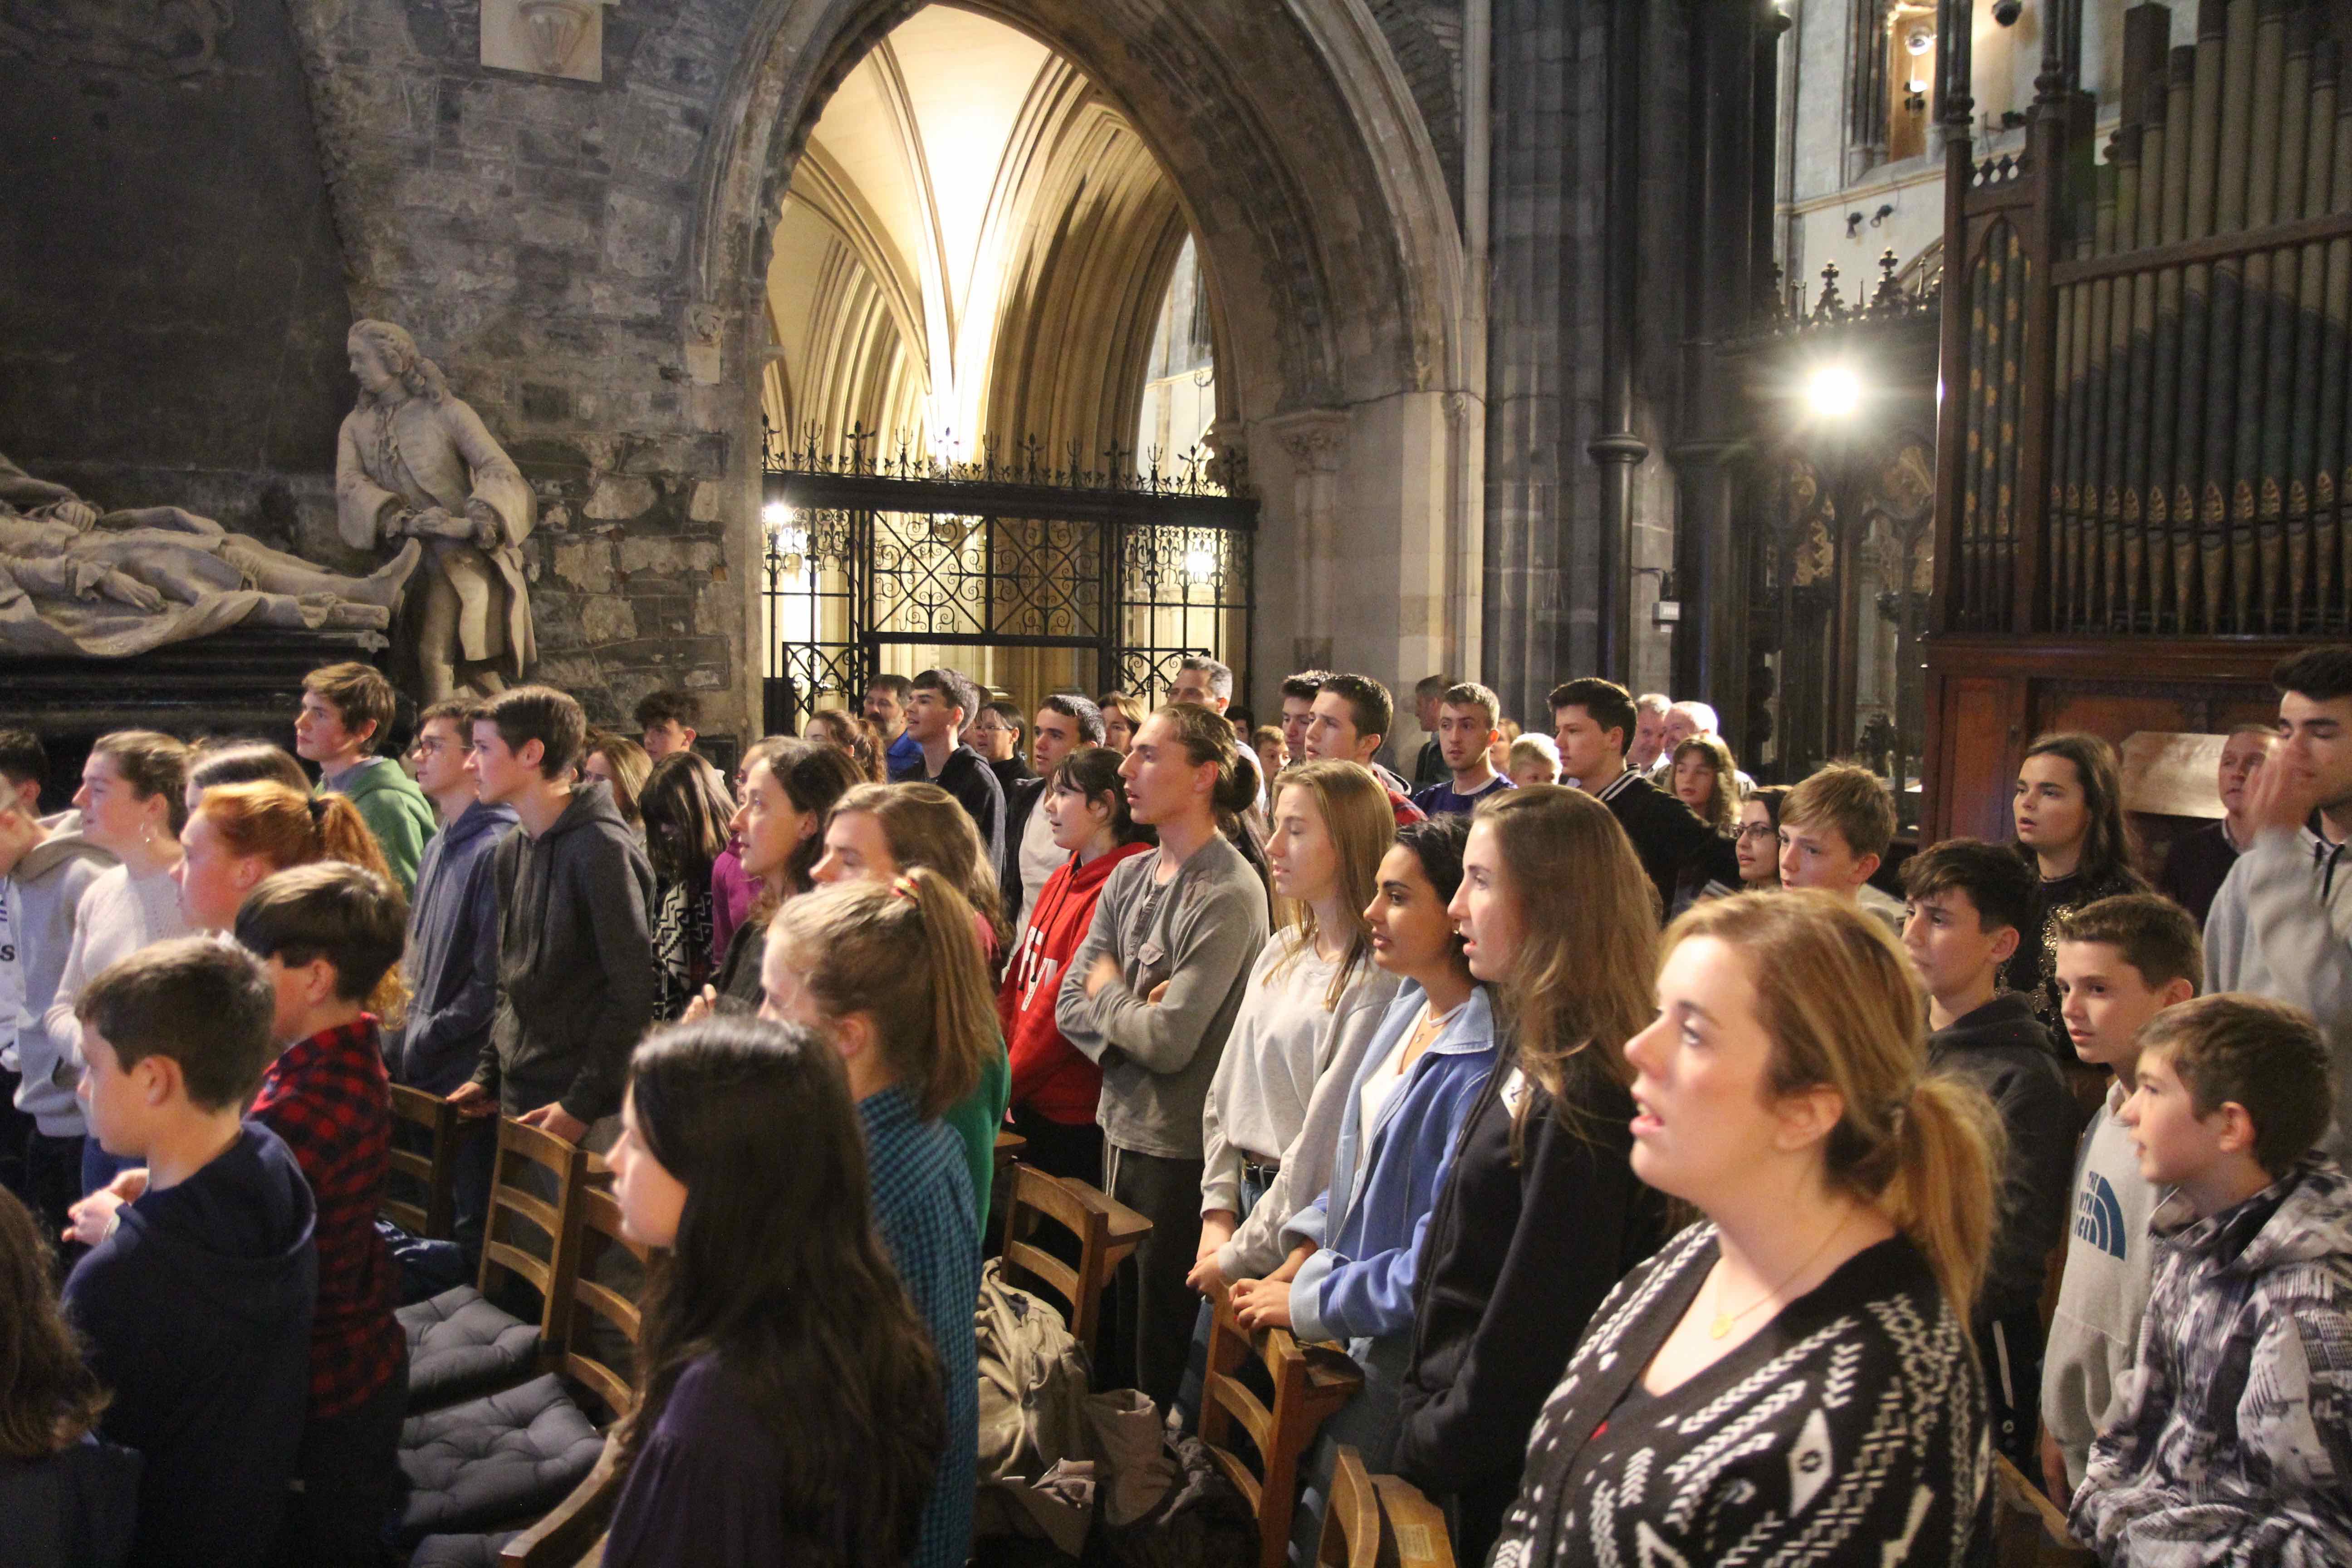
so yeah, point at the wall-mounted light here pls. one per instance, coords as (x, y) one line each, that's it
(1833, 391)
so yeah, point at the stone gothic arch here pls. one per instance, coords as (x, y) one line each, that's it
(586, 262)
(1348, 335)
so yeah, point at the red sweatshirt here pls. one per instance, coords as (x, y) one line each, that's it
(1050, 1076)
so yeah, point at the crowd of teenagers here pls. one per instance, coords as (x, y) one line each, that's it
(1682, 1194)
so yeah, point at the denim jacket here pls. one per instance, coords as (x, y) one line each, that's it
(1359, 1285)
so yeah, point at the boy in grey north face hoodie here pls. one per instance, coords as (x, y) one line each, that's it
(2233, 1444)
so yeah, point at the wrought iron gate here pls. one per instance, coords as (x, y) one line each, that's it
(873, 549)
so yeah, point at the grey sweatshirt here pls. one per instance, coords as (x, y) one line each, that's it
(1258, 1246)
(2282, 927)
(117, 916)
(2110, 1259)
(45, 894)
(1200, 931)
(576, 985)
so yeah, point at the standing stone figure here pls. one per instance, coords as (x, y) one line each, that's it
(415, 461)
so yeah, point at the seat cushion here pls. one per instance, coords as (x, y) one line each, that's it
(458, 1344)
(461, 1551)
(503, 1459)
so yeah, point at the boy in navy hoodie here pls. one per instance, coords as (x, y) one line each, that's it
(197, 1304)
(1970, 904)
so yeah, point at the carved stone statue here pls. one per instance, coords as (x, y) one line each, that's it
(74, 580)
(415, 461)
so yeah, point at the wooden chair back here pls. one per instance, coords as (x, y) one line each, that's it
(1351, 1517)
(507, 1246)
(434, 1172)
(1371, 1521)
(2028, 1530)
(1105, 1231)
(1311, 1383)
(1414, 1525)
(596, 1228)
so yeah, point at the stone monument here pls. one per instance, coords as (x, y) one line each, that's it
(75, 581)
(415, 461)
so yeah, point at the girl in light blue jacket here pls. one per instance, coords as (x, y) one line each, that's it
(1349, 1275)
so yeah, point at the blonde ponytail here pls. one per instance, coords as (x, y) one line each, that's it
(1949, 1144)
(1838, 1001)
(906, 954)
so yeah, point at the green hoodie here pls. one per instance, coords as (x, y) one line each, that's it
(395, 811)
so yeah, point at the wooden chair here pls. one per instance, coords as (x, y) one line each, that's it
(1375, 1520)
(2028, 1530)
(433, 1172)
(1351, 1518)
(572, 1534)
(1311, 1383)
(1008, 1149)
(1107, 1232)
(596, 1228)
(460, 1343)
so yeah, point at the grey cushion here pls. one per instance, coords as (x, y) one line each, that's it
(459, 1344)
(461, 1551)
(503, 1459)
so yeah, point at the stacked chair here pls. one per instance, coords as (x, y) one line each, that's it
(499, 1433)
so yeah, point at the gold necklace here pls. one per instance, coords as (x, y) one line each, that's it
(1724, 1320)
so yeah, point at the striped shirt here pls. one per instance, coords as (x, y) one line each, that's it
(923, 1209)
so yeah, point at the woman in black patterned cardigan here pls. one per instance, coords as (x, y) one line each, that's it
(1790, 1379)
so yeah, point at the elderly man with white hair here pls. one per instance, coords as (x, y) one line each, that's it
(1683, 721)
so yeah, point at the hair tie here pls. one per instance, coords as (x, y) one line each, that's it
(903, 886)
(318, 804)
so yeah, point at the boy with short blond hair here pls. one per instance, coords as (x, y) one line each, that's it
(2121, 961)
(2233, 1444)
(1835, 826)
(195, 1307)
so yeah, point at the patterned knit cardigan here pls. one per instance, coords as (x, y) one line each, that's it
(1849, 1430)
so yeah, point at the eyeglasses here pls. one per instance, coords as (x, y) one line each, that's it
(1758, 830)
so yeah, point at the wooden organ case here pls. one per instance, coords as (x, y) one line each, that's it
(2143, 457)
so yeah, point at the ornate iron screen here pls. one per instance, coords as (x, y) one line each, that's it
(1126, 573)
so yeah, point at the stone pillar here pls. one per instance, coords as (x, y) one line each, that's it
(1730, 67)
(1317, 442)
(1541, 241)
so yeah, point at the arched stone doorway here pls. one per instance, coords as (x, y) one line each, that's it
(1349, 348)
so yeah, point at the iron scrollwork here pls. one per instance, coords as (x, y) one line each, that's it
(878, 542)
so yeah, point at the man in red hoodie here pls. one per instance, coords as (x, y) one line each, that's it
(1056, 1087)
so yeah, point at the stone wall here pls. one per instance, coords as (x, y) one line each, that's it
(531, 232)
(171, 305)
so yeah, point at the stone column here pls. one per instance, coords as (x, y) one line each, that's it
(1730, 70)
(1317, 442)
(1540, 237)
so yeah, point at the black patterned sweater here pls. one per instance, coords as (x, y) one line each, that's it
(1851, 1430)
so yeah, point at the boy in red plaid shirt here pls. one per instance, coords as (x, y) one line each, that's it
(328, 934)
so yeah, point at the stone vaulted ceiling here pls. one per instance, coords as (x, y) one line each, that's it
(974, 243)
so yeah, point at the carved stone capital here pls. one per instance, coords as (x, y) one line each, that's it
(1315, 439)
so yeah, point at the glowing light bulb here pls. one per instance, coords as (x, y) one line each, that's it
(1833, 391)
(1200, 564)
